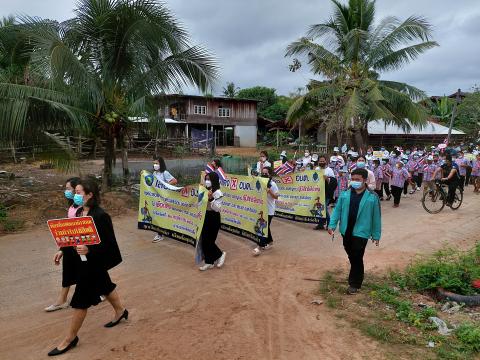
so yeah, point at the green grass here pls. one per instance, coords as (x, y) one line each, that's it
(448, 268)
(7, 224)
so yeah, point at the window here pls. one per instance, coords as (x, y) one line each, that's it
(223, 112)
(200, 110)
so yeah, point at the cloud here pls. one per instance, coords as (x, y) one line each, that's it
(249, 37)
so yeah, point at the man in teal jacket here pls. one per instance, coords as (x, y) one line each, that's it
(358, 211)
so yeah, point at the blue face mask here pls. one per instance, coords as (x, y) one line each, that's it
(78, 199)
(69, 194)
(356, 184)
(360, 164)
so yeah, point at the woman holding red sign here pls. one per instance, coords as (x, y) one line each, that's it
(68, 254)
(92, 276)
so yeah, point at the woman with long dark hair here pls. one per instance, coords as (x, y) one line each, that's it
(212, 253)
(160, 172)
(68, 254)
(92, 278)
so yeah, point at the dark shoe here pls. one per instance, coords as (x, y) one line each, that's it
(352, 291)
(56, 352)
(319, 227)
(389, 197)
(115, 323)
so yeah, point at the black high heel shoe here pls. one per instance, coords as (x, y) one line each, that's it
(72, 344)
(115, 323)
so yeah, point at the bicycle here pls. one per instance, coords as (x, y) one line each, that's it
(433, 201)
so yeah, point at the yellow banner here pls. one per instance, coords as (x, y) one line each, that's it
(178, 214)
(244, 206)
(302, 196)
(378, 154)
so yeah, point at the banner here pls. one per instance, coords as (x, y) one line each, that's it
(177, 214)
(301, 196)
(74, 231)
(244, 206)
(378, 154)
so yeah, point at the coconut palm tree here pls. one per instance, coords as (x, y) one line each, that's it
(349, 52)
(230, 90)
(103, 67)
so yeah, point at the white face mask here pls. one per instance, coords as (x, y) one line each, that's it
(307, 154)
(156, 167)
(208, 184)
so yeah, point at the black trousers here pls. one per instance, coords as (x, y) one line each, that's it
(468, 175)
(452, 187)
(461, 182)
(386, 188)
(267, 240)
(355, 249)
(380, 193)
(211, 226)
(405, 188)
(397, 194)
(418, 179)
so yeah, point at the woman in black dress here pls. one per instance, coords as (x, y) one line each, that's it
(92, 277)
(67, 255)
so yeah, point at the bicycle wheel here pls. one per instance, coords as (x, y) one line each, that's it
(433, 201)
(458, 199)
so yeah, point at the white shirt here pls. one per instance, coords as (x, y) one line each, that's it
(327, 171)
(261, 165)
(306, 160)
(164, 176)
(270, 199)
(216, 203)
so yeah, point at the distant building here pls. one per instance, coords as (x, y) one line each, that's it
(231, 121)
(380, 133)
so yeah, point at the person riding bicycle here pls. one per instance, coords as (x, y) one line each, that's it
(451, 177)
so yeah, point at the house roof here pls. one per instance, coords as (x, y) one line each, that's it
(378, 127)
(145, 120)
(219, 98)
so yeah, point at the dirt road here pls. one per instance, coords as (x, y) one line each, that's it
(253, 308)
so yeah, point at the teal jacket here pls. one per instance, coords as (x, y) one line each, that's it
(369, 218)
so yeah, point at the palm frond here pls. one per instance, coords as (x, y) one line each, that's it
(397, 59)
(414, 93)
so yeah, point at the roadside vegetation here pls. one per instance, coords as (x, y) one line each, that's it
(397, 309)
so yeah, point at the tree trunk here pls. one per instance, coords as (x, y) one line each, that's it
(126, 172)
(14, 154)
(361, 140)
(108, 160)
(338, 134)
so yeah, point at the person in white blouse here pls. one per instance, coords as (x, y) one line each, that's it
(361, 164)
(307, 159)
(212, 253)
(272, 196)
(263, 162)
(161, 173)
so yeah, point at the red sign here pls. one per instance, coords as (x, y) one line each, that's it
(233, 183)
(74, 231)
(287, 180)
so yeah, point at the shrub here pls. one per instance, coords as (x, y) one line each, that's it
(448, 268)
(469, 335)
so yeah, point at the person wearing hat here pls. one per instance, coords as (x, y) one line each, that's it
(362, 164)
(314, 164)
(338, 158)
(400, 176)
(283, 157)
(428, 171)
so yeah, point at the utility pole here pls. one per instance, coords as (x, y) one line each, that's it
(457, 101)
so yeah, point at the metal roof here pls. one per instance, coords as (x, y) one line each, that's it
(378, 127)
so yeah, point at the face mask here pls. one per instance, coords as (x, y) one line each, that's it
(307, 154)
(69, 194)
(384, 162)
(369, 153)
(265, 175)
(408, 152)
(78, 199)
(156, 167)
(360, 164)
(383, 149)
(322, 165)
(356, 184)
(208, 184)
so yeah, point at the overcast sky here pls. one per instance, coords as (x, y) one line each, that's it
(249, 37)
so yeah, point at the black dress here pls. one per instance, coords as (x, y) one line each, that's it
(69, 264)
(92, 277)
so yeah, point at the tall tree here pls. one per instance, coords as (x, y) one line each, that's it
(230, 90)
(350, 54)
(103, 67)
(265, 96)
